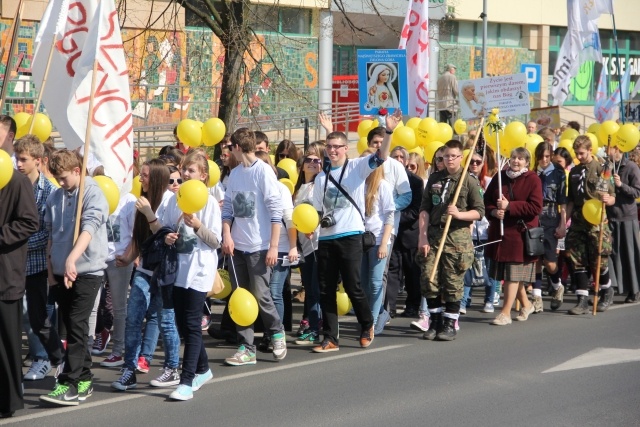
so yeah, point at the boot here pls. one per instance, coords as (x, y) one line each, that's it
(448, 332)
(582, 307)
(605, 299)
(434, 328)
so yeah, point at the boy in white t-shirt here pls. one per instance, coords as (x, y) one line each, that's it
(251, 220)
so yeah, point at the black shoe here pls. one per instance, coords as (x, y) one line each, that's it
(410, 312)
(392, 314)
(7, 414)
(632, 298)
(434, 328)
(582, 307)
(448, 332)
(605, 299)
(265, 345)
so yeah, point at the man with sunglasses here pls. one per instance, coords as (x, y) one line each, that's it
(338, 196)
(262, 144)
(457, 254)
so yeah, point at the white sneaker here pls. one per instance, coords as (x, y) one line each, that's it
(279, 346)
(488, 308)
(38, 370)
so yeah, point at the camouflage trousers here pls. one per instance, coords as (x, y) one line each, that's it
(456, 259)
(582, 245)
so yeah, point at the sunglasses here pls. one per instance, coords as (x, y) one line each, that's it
(175, 181)
(476, 162)
(283, 156)
(331, 147)
(439, 159)
(316, 161)
(412, 166)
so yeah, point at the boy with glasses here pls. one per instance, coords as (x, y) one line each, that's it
(457, 254)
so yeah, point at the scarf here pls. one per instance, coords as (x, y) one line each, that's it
(513, 175)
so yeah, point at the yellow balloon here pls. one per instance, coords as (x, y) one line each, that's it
(6, 168)
(430, 150)
(405, 136)
(594, 143)
(570, 134)
(290, 166)
(419, 151)
(427, 131)
(41, 126)
(192, 196)
(491, 137)
(273, 159)
(515, 134)
(465, 154)
(627, 137)
(593, 128)
(21, 120)
(213, 131)
(362, 145)
(446, 133)
(54, 182)
(214, 173)
(226, 290)
(136, 187)
(533, 137)
(110, 190)
(344, 303)
(531, 146)
(592, 211)
(289, 184)
(606, 130)
(565, 143)
(190, 132)
(364, 127)
(413, 122)
(305, 218)
(460, 126)
(243, 307)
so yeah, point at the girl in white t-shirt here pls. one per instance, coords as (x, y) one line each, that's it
(196, 239)
(379, 216)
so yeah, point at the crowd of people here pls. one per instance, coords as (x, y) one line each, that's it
(145, 269)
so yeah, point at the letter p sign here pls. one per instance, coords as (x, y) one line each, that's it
(534, 76)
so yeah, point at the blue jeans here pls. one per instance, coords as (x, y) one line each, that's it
(311, 285)
(371, 275)
(36, 349)
(168, 328)
(279, 274)
(144, 301)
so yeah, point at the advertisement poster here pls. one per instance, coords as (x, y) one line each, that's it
(508, 93)
(382, 80)
(546, 117)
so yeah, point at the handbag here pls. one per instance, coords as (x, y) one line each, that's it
(479, 274)
(533, 237)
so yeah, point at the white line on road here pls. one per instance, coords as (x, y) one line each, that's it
(149, 393)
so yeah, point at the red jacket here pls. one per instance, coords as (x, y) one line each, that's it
(525, 204)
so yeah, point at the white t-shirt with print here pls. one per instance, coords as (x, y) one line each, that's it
(396, 175)
(197, 261)
(287, 210)
(120, 226)
(382, 213)
(253, 202)
(333, 201)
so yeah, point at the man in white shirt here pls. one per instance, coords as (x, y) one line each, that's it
(251, 218)
(338, 195)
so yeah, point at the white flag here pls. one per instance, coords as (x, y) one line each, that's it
(580, 44)
(415, 40)
(89, 32)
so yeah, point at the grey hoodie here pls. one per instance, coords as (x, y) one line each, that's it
(60, 220)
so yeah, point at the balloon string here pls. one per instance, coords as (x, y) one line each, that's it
(233, 267)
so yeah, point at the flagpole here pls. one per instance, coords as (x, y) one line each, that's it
(12, 48)
(10, 33)
(85, 156)
(44, 81)
(615, 40)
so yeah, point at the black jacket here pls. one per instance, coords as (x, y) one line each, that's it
(625, 208)
(408, 230)
(160, 258)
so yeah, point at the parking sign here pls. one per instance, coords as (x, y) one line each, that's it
(534, 76)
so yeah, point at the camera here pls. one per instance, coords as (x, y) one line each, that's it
(327, 221)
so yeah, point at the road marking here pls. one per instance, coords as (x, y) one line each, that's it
(598, 357)
(138, 393)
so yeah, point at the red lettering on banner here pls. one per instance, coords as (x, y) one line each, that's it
(67, 44)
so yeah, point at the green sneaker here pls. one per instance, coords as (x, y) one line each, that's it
(63, 395)
(85, 389)
(308, 338)
(242, 357)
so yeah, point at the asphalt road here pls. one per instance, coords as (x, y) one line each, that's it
(552, 370)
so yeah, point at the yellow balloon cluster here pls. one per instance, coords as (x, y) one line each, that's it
(41, 125)
(110, 190)
(192, 196)
(6, 168)
(305, 218)
(243, 307)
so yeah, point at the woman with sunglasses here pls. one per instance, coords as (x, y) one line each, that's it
(312, 316)
(286, 150)
(228, 161)
(437, 163)
(175, 179)
(478, 168)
